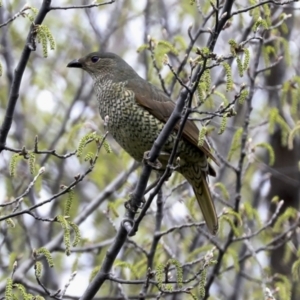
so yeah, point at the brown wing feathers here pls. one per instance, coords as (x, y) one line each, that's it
(160, 106)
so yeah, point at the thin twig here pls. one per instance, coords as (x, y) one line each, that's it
(81, 6)
(18, 14)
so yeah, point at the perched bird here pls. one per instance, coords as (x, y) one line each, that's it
(136, 112)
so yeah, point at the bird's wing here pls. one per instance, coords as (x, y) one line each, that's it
(161, 107)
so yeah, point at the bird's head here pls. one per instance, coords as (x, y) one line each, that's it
(103, 64)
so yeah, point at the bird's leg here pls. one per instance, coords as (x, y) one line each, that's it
(157, 165)
(131, 204)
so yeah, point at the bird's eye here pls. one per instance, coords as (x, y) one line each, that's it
(94, 59)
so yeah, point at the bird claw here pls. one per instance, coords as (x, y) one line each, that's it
(157, 165)
(132, 205)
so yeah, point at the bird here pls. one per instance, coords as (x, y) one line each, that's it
(135, 112)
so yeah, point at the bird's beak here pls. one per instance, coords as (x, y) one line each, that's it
(75, 64)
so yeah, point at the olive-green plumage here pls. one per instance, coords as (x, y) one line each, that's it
(136, 111)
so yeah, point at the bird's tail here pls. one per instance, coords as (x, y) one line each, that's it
(197, 179)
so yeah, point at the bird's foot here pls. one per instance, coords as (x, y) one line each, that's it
(157, 165)
(134, 205)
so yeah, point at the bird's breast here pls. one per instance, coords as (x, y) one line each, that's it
(133, 127)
